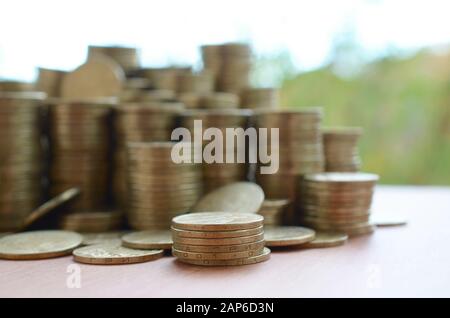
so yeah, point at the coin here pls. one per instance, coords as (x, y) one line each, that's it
(217, 221)
(287, 235)
(111, 254)
(239, 197)
(219, 241)
(327, 239)
(215, 234)
(216, 256)
(151, 239)
(232, 262)
(38, 244)
(102, 238)
(382, 219)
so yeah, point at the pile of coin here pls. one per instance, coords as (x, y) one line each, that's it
(21, 157)
(159, 187)
(126, 57)
(273, 211)
(216, 174)
(338, 201)
(91, 222)
(219, 239)
(80, 143)
(341, 149)
(299, 149)
(49, 81)
(138, 122)
(260, 98)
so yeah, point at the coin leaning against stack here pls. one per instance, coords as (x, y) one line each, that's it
(158, 187)
(338, 202)
(21, 157)
(219, 239)
(341, 149)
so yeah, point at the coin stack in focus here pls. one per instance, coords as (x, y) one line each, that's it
(338, 202)
(219, 239)
(299, 149)
(217, 174)
(49, 81)
(80, 142)
(126, 57)
(341, 149)
(273, 211)
(21, 157)
(138, 122)
(159, 188)
(260, 98)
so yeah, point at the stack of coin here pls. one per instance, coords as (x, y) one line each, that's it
(219, 239)
(80, 142)
(138, 122)
(212, 60)
(236, 67)
(341, 149)
(273, 211)
(338, 201)
(200, 83)
(164, 77)
(126, 57)
(21, 157)
(91, 222)
(15, 86)
(159, 187)
(299, 149)
(216, 174)
(260, 98)
(49, 81)
(220, 100)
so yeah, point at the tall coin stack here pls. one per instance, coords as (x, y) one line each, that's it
(80, 142)
(212, 61)
(299, 149)
(254, 98)
(192, 87)
(159, 188)
(338, 202)
(236, 67)
(219, 239)
(49, 81)
(21, 157)
(218, 174)
(341, 149)
(126, 57)
(138, 122)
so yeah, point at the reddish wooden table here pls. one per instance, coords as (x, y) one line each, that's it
(412, 260)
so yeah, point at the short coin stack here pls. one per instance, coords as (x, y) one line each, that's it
(21, 157)
(236, 67)
(254, 98)
(218, 100)
(273, 211)
(126, 57)
(340, 148)
(80, 150)
(338, 202)
(139, 122)
(159, 188)
(219, 239)
(91, 222)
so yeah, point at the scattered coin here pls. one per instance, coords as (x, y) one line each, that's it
(327, 239)
(385, 219)
(150, 239)
(287, 235)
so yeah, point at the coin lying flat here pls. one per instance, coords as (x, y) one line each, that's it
(220, 241)
(384, 219)
(287, 235)
(217, 221)
(264, 256)
(243, 197)
(102, 238)
(112, 254)
(219, 248)
(216, 234)
(38, 244)
(216, 256)
(327, 239)
(151, 239)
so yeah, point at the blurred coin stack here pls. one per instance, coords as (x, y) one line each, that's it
(126, 57)
(15, 86)
(163, 78)
(219, 239)
(49, 81)
(273, 211)
(299, 150)
(338, 202)
(80, 143)
(255, 98)
(91, 222)
(192, 87)
(236, 67)
(217, 174)
(159, 188)
(139, 122)
(341, 149)
(219, 100)
(212, 61)
(21, 157)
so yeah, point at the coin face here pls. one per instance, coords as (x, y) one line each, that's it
(327, 239)
(242, 197)
(112, 254)
(38, 244)
(217, 221)
(264, 256)
(287, 235)
(385, 219)
(150, 239)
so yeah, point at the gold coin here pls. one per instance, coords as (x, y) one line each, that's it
(385, 219)
(219, 248)
(215, 234)
(38, 244)
(327, 239)
(342, 178)
(219, 241)
(151, 239)
(287, 235)
(217, 221)
(239, 197)
(216, 256)
(112, 254)
(102, 238)
(264, 256)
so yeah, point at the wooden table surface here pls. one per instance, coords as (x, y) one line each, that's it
(412, 260)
